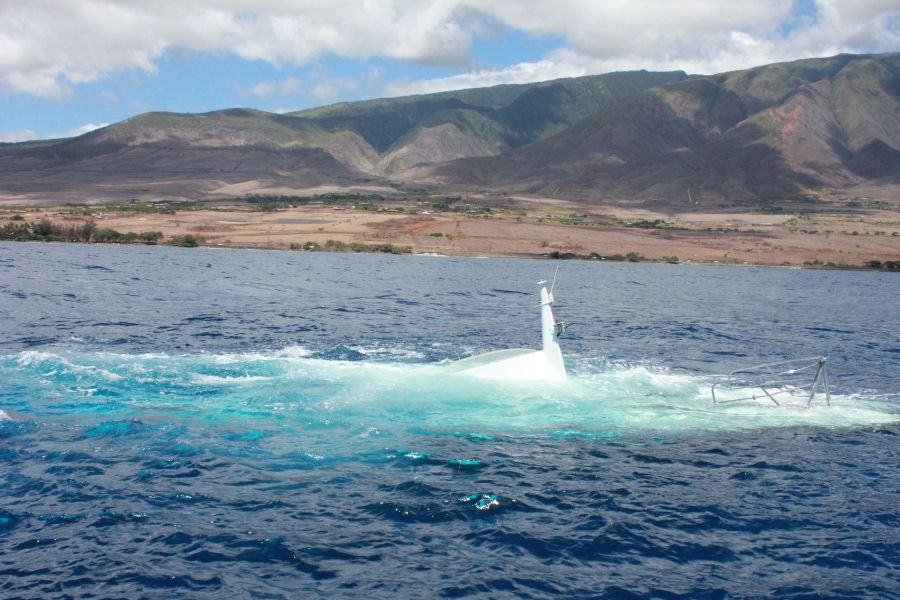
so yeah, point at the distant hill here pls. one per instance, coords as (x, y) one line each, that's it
(362, 143)
(747, 137)
(828, 125)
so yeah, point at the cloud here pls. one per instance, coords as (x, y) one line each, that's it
(49, 46)
(26, 135)
(22, 135)
(281, 88)
(324, 89)
(76, 131)
(525, 72)
(333, 88)
(677, 36)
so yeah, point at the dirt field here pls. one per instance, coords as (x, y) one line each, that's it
(848, 238)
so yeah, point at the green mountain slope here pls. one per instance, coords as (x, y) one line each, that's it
(745, 137)
(751, 137)
(517, 114)
(357, 143)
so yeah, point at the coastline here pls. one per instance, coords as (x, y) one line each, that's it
(820, 240)
(644, 260)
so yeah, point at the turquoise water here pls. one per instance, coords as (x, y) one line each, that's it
(275, 424)
(292, 387)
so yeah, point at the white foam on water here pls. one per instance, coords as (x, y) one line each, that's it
(227, 380)
(595, 399)
(389, 351)
(287, 353)
(665, 400)
(4, 416)
(34, 358)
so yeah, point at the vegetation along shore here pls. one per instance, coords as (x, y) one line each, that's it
(847, 235)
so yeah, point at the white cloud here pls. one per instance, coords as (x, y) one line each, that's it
(49, 46)
(25, 135)
(46, 46)
(333, 88)
(22, 135)
(518, 73)
(80, 130)
(677, 36)
(280, 88)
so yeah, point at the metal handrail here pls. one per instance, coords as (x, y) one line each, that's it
(777, 378)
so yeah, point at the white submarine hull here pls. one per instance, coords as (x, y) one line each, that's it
(522, 364)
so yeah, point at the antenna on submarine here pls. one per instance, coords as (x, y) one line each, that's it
(554, 279)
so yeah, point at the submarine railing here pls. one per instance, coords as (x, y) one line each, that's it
(789, 377)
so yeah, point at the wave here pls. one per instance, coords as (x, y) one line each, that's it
(304, 386)
(36, 358)
(236, 380)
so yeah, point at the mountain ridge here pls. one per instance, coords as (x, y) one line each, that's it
(750, 137)
(836, 127)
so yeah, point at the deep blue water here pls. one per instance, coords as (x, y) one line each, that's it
(191, 423)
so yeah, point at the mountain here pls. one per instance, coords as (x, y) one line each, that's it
(238, 151)
(828, 126)
(749, 137)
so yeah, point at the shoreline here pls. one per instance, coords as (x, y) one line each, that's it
(688, 263)
(838, 241)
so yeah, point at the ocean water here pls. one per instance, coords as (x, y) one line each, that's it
(196, 422)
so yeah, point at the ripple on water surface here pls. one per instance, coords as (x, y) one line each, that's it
(307, 467)
(143, 456)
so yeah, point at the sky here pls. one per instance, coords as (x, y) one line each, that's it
(70, 66)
